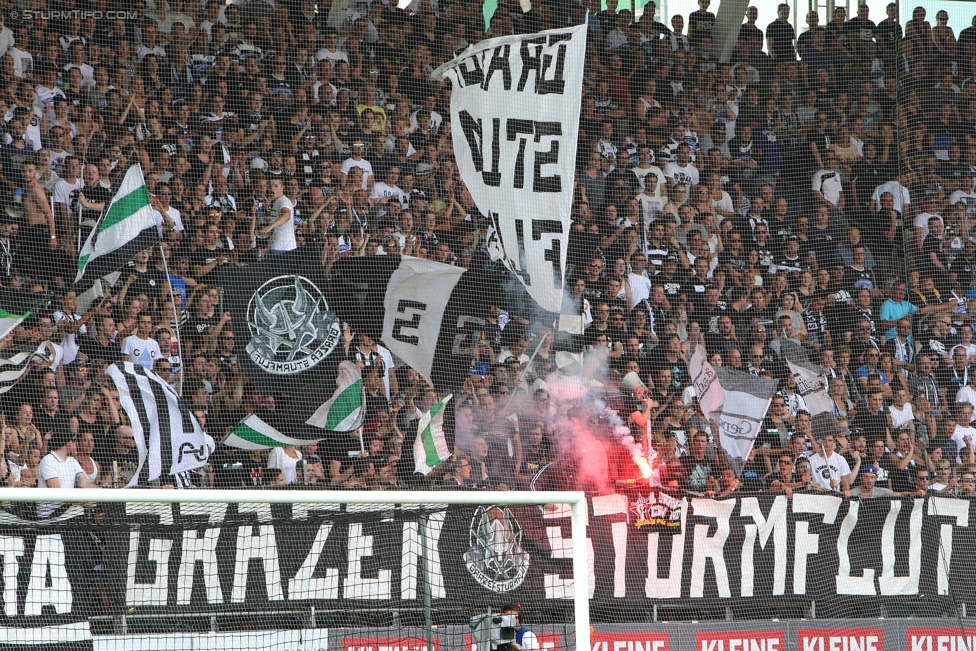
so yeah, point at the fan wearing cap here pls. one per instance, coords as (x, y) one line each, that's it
(60, 469)
(867, 489)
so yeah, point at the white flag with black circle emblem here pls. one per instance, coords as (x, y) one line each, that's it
(515, 112)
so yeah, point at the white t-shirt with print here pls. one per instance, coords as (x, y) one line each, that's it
(961, 436)
(143, 352)
(70, 342)
(834, 467)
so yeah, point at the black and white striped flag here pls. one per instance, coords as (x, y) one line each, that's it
(167, 434)
(16, 362)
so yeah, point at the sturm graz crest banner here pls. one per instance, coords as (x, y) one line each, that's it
(288, 312)
(286, 329)
(495, 557)
(290, 326)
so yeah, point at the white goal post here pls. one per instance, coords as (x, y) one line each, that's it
(576, 500)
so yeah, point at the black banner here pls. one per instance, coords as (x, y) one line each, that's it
(763, 548)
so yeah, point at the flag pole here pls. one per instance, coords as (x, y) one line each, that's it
(172, 297)
(525, 370)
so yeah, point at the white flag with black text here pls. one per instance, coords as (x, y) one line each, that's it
(744, 407)
(708, 390)
(515, 112)
(811, 382)
(167, 434)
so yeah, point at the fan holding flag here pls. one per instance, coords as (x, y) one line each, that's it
(127, 227)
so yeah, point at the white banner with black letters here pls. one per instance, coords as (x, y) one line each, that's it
(515, 112)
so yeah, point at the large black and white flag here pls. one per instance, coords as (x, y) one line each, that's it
(167, 434)
(515, 112)
(736, 402)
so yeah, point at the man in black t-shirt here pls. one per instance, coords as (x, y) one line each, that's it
(700, 23)
(48, 416)
(700, 464)
(857, 276)
(669, 278)
(202, 322)
(103, 345)
(209, 256)
(96, 197)
(780, 35)
(142, 279)
(873, 421)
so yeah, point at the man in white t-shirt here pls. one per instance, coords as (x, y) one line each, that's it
(356, 160)
(967, 394)
(680, 171)
(387, 189)
(330, 50)
(901, 196)
(60, 469)
(830, 470)
(645, 167)
(640, 283)
(280, 210)
(140, 348)
(66, 190)
(23, 60)
(167, 217)
(964, 434)
(826, 185)
(922, 219)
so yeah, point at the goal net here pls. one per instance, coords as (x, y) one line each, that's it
(717, 276)
(295, 570)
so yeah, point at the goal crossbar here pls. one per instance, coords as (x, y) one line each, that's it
(575, 499)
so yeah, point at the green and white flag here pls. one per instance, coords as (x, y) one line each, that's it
(126, 227)
(430, 448)
(9, 321)
(343, 412)
(252, 433)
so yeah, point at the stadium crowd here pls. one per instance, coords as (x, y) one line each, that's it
(817, 190)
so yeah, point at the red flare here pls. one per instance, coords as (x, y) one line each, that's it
(643, 465)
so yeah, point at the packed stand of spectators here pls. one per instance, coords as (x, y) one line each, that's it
(814, 190)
